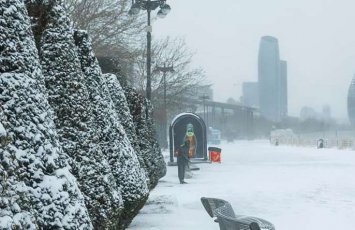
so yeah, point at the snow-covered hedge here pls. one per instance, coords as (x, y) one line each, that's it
(37, 189)
(112, 138)
(121, 106)
(141, 111)
(76, 119)
(72, 156)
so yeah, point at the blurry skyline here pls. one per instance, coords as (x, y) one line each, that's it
(316, 38)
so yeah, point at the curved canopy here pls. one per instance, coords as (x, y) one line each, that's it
(192, 127)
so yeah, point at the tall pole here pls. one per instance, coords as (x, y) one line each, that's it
(149, 59)
(204, 97)
(164, 79)
(204, 109)
(207, 116)
(149, 6)
(164, 69)
(165, 110)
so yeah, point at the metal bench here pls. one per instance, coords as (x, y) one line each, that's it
(227, 219)
(211, 204)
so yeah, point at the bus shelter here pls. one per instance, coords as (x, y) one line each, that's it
(191, 127)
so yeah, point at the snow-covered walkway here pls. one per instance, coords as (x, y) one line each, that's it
(294, 188)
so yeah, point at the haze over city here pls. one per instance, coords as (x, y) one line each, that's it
(316, 38)
(107, 122)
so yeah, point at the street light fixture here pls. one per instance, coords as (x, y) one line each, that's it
(164, 69)
(135, 8)
(204, 98)
(149, 5)
(165, 9)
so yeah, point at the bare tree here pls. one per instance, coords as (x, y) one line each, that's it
(114, 33)
(181, 83)
(117, 40)
(107, 21)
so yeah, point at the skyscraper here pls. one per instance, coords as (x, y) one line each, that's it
(351, 102)
(250, 94)
(283, 89)
(269, 77)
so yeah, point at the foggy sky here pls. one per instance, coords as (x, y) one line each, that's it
(316, 38)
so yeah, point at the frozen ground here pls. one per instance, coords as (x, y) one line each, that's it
(294, 188)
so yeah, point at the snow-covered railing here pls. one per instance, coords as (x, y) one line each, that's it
(327, 139)
(343, 143)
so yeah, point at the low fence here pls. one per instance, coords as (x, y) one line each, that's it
(313, 140)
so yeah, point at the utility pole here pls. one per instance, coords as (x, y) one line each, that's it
(149, 56)
(204, 98)
(149, 5)
(164, 69)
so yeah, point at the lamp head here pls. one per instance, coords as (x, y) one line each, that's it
(161, 14)
(165, 9)
(134, 9)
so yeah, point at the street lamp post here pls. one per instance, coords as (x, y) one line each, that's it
(149, 5)
(204, 98)
(164, 69)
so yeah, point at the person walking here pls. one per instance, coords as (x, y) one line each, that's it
(182, 160)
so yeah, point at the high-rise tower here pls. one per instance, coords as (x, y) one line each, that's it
(351, 102)
(269, 78)
(250, 94)
(284, 110)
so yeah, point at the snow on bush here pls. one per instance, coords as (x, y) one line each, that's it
(2, 131)
(76, 119)
(37, 189)
(15, 36)
(121, 106)
(141, 111)
(130, 177)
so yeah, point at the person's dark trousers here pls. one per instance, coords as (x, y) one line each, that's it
(181, 169)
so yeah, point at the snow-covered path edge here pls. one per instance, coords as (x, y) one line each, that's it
(294, 188)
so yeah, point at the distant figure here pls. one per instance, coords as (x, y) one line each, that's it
(320, 143)
(190, 135)
(277, 142)
(182, 160)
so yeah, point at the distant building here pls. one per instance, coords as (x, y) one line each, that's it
(250, 94)
(351, 102)
(283, 89)
(269, 78)
(308, 113)
(204, 90)
(326, 113)
(272, 79)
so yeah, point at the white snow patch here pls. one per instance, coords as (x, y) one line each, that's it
(10, 10)
(6, 222)
(2, 130)
(294, 188)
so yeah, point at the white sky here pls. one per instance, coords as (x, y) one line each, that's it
(316, 38)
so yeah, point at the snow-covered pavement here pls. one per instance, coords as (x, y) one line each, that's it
(294, 188)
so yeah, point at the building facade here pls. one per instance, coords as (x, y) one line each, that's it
(351, 102)
(283, 89)
(272, 80)
(250, 94)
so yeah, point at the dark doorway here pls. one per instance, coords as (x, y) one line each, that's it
(188, 126)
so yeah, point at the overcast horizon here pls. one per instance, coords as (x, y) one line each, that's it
(315, 38)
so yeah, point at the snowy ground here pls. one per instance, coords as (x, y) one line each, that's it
(294, 188)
